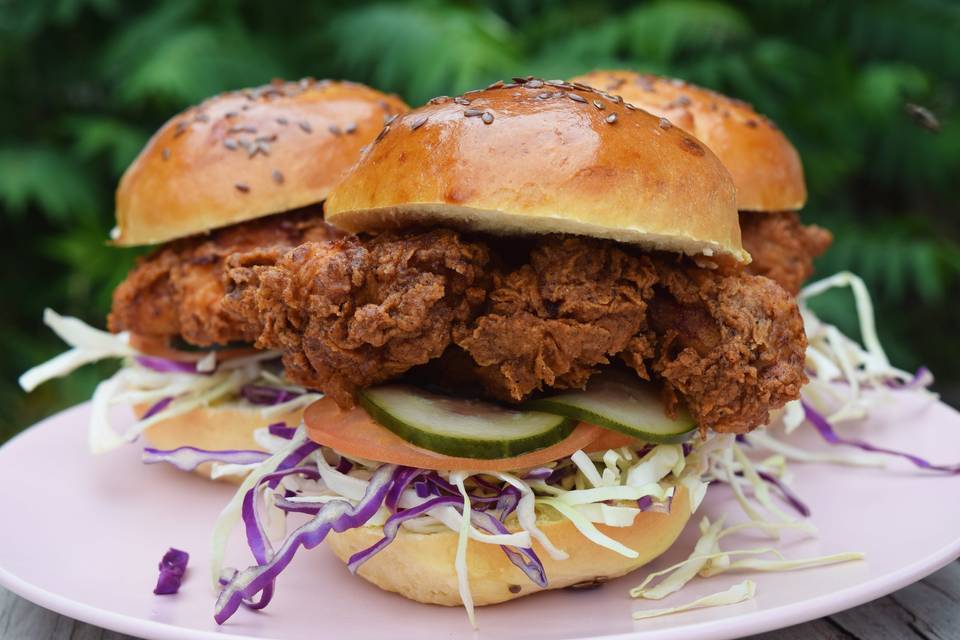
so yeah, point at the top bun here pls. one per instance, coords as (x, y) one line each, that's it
(765, 166)
(246, 154)
(543, 157)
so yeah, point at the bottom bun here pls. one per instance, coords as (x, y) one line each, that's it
(421, 566)
(217, 428)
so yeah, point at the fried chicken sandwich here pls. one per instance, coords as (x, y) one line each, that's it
(766, 168)
(244, 171)
(540, 324)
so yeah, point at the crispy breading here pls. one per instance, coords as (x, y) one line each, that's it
(782, 247)
(731, 345)
(357, 311)
(177, 290)
(351, 313)
(551, 322)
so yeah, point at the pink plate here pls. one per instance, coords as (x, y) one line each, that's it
(83, 536)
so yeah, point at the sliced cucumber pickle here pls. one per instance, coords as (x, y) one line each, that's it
(623, 403)
(460, 427)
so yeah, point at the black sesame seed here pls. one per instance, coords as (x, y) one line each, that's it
(418, 122)
(305, 126)
(242, 187)
(514, 588)
(611, 118)
(277, 176)
(472, 113)
(487, 117)
(576, 97)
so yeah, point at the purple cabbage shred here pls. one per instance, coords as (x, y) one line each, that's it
(172, 567)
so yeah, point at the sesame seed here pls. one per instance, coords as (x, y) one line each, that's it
(418, 122)
(598, 105)
(305, 126)
(382, 133)
(487, 117)
(611, 118)
(533, 84)
(242, 187)
(166, 154)
(629, 106)
(230, 114)
(665, 124)
(334, 129)
(512, 85)
(472, 113)
(576, 97)
(350, 128)
(258, 147)
(277, 176)
(495, 85)
(282, 121)
(201, 117)
(751, 123)
(462, 101)
(388, 120)
(230, 143)
(546, 95)
(244, 129)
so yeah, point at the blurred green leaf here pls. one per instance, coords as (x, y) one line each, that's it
(53, 181)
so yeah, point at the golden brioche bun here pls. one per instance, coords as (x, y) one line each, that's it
(421, 566)
(765, 167)
(537, 157)
(220, 427)
(246, 154)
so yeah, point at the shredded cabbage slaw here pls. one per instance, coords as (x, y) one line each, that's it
(171, 388)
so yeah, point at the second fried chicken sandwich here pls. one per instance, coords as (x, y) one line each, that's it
(242, 171)
(765, 167)
(542, 303)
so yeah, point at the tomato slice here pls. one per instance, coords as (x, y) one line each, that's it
(354, 433)
(610, 439)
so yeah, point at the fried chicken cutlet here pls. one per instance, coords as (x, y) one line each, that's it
(355, 312)
(177, 291)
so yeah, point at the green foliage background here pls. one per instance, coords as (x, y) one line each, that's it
(84, 83)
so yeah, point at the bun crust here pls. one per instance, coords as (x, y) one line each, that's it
(421, 566)
(246, 154)
(221, 427)
(765, 167)
(538, 157)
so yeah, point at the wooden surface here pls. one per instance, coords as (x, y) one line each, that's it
(928, 610)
